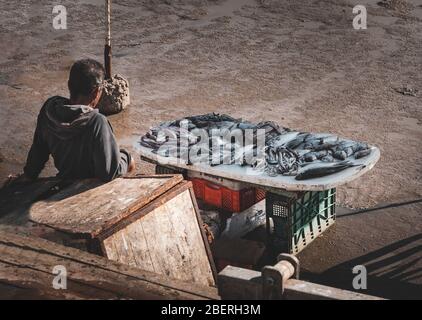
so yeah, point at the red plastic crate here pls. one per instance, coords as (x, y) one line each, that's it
(213, 194)
(198, 187)
(226, 198)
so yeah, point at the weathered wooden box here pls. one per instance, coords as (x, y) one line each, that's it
(150, 222)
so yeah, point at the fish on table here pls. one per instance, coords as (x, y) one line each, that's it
(303, 155)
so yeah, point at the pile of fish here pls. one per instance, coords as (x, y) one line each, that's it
(282, 151)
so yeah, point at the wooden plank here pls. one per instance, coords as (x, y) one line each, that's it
(91, 211)
(37, 270)
(244, 284)
(164, 237)
(13, 273)
(194, 248)
(203, 235)
(139, 247)
(9, 291)
(16, 200)
(152, 205)
(248, 175)
(50, 234)
(297, 289)
(239, 284)
(23, 253)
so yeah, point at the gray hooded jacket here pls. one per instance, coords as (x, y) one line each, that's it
(80, 140)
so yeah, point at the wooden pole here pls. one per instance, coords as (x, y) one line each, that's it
(107, 48)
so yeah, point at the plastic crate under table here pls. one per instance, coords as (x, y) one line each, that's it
(222, 193)
(225, 194)
(295, 219)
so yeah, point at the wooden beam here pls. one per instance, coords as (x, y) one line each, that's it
(244, 284)
(299, 290)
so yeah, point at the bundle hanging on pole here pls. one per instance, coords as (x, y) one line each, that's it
(115, 97)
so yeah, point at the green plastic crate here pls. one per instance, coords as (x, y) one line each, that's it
(295, 219)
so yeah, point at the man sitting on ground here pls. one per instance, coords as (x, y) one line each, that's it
(79, 138)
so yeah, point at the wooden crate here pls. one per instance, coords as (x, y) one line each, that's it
(150, 222)
(27, 264)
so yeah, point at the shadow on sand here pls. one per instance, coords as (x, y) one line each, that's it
(387, 206)
(394, 271)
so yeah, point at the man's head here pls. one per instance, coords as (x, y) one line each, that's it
(85, 80)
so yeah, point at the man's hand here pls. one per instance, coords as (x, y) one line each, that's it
(13, 179)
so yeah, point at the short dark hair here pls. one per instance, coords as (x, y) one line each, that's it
(85, 76)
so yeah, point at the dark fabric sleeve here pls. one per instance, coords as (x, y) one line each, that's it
(109, 161)
(38, 154)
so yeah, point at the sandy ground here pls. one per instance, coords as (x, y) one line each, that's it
(299, 64)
